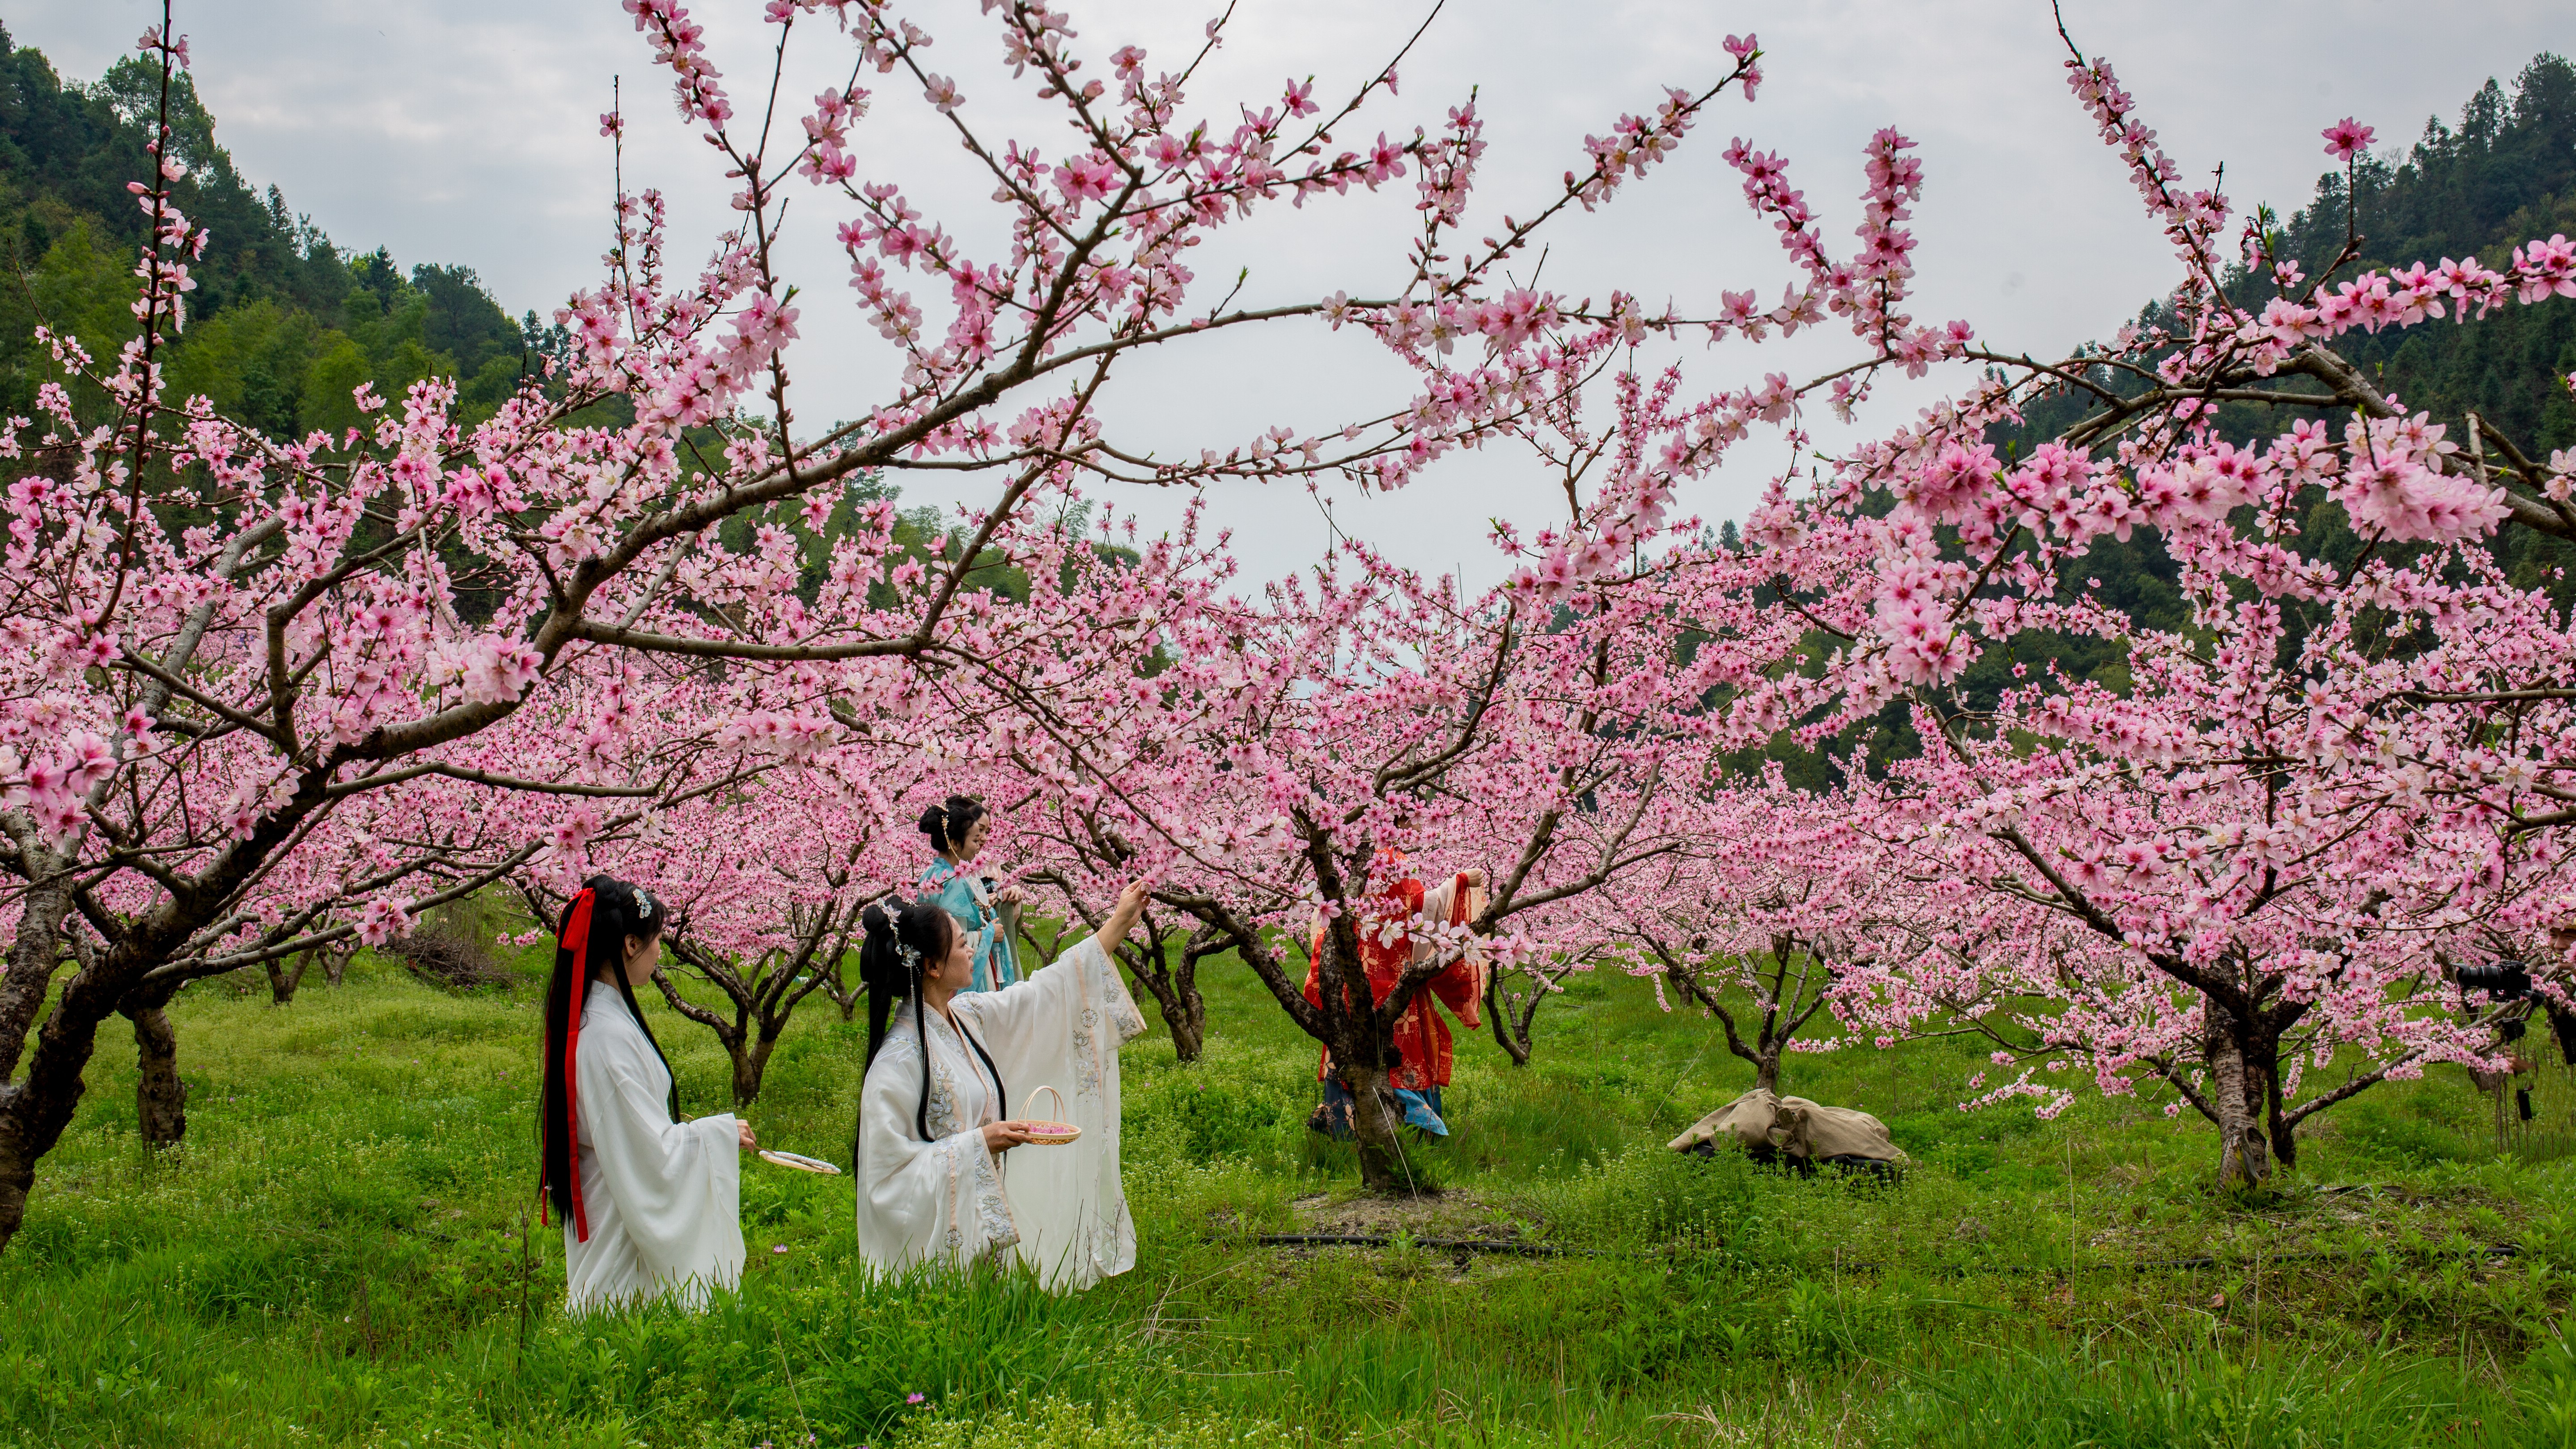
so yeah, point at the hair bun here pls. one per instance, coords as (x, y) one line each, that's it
(934, 823)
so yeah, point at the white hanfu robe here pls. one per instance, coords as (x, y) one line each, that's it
(948, 1200)
(663, 1198)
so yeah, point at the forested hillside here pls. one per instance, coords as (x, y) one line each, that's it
(283, 323)
(2505, 174)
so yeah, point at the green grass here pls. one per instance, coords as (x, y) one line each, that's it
(335, 1257)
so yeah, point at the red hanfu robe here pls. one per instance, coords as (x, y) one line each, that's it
(1419, 1033)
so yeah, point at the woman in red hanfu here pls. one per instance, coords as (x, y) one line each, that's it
(1420, 1063)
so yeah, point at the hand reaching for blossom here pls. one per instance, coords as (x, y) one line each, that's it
(1131, 904)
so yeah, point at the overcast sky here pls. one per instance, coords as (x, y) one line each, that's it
(466, 132)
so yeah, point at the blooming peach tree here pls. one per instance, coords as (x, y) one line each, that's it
(2334, 784)
(218, 640)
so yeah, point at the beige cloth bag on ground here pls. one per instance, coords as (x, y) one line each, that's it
(1796, 1126)
(1745, 1122)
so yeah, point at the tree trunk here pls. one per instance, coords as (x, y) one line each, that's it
(17, 1177)
(750, 1063)
(1374, 1121)
(1511, 1028)
(2264, 1061)
(1189, 1029)
(282, 982)
(160, 1098)
(1189, 1025)
(2244, 1153)
(34, 956)
(836, 985)
(1183, 1013)
(36, 1108)
(1175, 988)
(1766, 1071)
(1498, 1016)
(335, 961)
(29, 1123)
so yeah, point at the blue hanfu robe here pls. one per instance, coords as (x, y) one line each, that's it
(961, 893)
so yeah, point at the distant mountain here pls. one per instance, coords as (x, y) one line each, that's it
(2504, 175)
(283, 323)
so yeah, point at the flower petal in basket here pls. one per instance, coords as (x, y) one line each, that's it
(1043, 1133)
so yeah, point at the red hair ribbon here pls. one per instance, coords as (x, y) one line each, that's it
(576, 939)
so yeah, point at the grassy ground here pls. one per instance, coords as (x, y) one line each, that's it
(337, 1257)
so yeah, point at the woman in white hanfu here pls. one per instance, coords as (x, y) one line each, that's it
(653, 1208)
(934, 1124)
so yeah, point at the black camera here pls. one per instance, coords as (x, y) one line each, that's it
(2502, 980)
(2511, 981)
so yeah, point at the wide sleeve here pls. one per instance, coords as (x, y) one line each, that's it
(1315, 963)
(922, 1201)
(678, 1185)
(1460, 985)
(987, 943)
(1005, 961)
(1315, 988)
(958, 899)
(1073, 1015)
(1062, 1028)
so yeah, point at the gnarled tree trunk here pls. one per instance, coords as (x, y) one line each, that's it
(751, 1062)
(1511, 1029)
(845, 989)
(1374, 1120)
(1174, 985)
(2236, 1097)
(283, 979)
(24, 1117)
(2263, 1067)
(1512, 1014)
(160, 1098)
(766, 994)
(1147, 955)
(1790, 990)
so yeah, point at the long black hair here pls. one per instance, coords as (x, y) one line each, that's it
(902, 944)
(595, 928)
(946, 824)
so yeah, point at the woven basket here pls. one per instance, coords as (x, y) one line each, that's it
(798, 1162)
(1050, 1134)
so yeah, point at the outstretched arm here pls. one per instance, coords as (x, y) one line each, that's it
(1036, 1014)
(1131, 904)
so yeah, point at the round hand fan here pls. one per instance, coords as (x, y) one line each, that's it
(798, 1161)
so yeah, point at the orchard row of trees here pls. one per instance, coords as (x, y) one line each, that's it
(247, 716)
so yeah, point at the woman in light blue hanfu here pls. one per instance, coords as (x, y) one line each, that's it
(957, 831)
